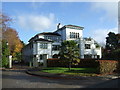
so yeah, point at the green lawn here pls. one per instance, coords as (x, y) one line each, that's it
(73, 71)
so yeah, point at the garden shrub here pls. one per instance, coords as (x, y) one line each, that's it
(107, 66)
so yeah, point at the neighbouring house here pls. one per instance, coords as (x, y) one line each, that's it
(47, 45)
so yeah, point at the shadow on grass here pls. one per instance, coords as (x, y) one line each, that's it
(55, 68)
(79, 71)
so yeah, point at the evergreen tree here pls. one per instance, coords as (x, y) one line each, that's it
(69, 53)
(5, 54)
(112, 49)
(111, 41)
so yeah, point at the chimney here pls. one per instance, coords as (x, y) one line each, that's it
(58, 26)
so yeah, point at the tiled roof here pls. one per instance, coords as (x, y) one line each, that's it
(49, 33)
(41, 39)
(72, 27)
(45, 33)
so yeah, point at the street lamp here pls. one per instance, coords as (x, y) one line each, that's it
(7, 43)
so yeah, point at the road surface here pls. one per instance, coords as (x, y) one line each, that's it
(17, 78)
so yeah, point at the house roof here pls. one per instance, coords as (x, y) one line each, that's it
(72, 27)
(41, 39)
(49, 33)
(45, 33)
(87, 39)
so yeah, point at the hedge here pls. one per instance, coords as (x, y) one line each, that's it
(108, 66)
(92, 63)
(55, 62)
(103, 66)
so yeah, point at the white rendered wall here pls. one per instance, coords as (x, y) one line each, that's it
(44, 51)
(68, 30)
(35, 48)
(93, 50)
(41, 36)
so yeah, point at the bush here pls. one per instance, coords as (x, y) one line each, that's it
(107, 66)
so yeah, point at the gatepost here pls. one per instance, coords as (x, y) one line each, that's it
(10, 61)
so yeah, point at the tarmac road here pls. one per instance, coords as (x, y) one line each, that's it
(17, 78)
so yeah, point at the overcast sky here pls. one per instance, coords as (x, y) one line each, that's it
(30, 18)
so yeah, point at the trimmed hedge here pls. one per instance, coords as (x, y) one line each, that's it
(92, 63)
(118, 66)
(55, 62)
(103, 66)
(108, 66)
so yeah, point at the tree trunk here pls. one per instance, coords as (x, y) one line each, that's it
(69, 66)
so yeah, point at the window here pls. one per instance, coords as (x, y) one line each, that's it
(87, 46)
(98, 56)
(44, 45)
(88, 56)
(55, 47)
(55, 56)
(77, 35)
(41, 57)
(70, 35)
(57, 39)
(78, 45)
(74, 35)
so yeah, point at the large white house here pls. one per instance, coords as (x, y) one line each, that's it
(47, 45)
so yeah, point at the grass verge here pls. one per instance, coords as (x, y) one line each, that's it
(73, 71)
